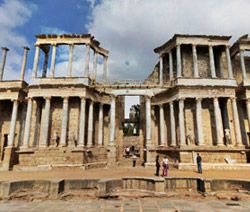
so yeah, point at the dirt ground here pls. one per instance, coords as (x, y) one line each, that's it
(76, 173)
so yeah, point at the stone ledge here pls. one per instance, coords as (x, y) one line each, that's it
(207, 166)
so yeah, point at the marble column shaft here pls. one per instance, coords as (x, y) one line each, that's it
(45, 124)
(82, 122)
(45, 64)
(65, 116)
(218, 122)
(200, 139)
(24, 62)
(100, 126)
(195, 61)
(112, 122)
(172, 124)
(242, 64)
(161, 70)
(229, 63)
(70, 63)
(90, 124)
(236, 122)
(148, 121)
(11, 137)
(36, 60)
(4, 55)
(211, 62)
(95, 66)
(27, 123)
(182, 122)
(170, 57)
(87, 58)
(178, 61)
(162, 126)
(53, 62)
(105, 69)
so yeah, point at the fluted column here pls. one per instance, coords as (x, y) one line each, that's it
(100, 126)
(236, 122)
(178, 61)
(4, 55)
(65, 116)
(45, 124)
(112, 122)
(105, 69)
(161, 70)
(27, 124)
(70, 64)
(90, 124)
(13, 124)
(82, 122)
(95, 66)
(45, 64)
(229, 63)
(242, 64)
(148, 121)
(181, 122)
(195, 61)
(162, 126)
(36, 60)
(170, 57)
(172, 124)
(198, 114)
(53, 61)
(218, 122)
(23, 67)
(211, 62)
(87, 58)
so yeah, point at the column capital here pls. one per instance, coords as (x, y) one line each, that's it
(182, 99)
(54, 44)
(65, 98)
(14, 100)
(26, 48)
(178, 45)
(210, 45)
(194, 44)
(198, 99)
(82, 97)
(5, 49)
(47, 98)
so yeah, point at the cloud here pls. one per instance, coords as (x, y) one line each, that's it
(13, 14)
(131, 29)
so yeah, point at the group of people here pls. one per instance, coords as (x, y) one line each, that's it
(165, 165)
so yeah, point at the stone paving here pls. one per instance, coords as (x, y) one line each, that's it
(125, 205)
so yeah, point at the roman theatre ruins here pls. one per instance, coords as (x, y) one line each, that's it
(196, 100)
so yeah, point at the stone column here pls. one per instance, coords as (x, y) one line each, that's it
(23, 67)
(178, 60)
(211, 62)
(53, 61)
(229, 63)
(11, 137)
(112, 122)
(105, 69)
(162, 127)
(181, 122)
(65, 116)
(242, 64)
(45, 124)
(95, 66)
(82, 122)
(4, 55)
(170, 57)
(36, 60)
(199, 128)
(236, 122)
(100, 126)
(195, 61)
(90, 124)
(27, 124)
(87, 57)
(148, 121)
(70, 64)
(172, 124)
(218, 122)
(248, 112)
(161, 70)
(45, 64)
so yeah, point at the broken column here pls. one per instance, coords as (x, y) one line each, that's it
(4, 54)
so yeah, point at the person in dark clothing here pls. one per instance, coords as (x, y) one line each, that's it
(198, 161)
(157, 165)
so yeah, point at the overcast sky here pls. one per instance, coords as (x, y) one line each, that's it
(130, 29)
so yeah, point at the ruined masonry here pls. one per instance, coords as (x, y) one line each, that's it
(196, 100)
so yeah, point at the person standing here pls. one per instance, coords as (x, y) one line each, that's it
(198, 161)
(165, 166)
(157, 165)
